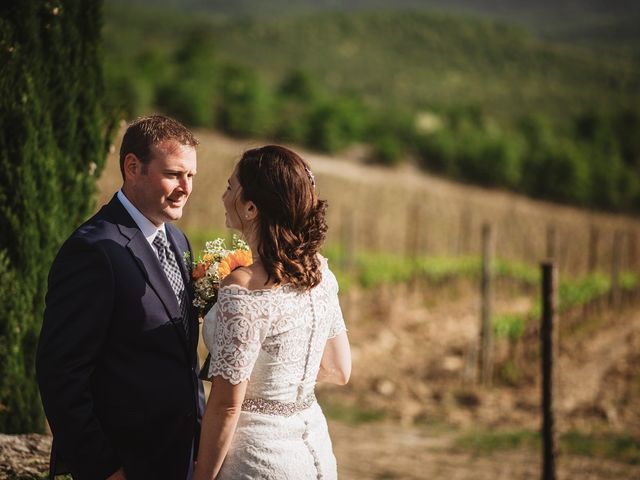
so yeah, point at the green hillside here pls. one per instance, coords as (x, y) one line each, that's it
(415, 59)
(560, 11)
(474, 100)
(599, 23)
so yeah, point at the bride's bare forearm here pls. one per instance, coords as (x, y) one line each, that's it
(331, 376)
(218, 427)
(335, 365)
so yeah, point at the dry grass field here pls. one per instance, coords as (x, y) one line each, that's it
(379, 208)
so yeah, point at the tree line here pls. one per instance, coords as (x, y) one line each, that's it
(591, 159)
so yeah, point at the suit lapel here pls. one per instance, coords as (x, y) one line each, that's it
(186, 277)
(149, 264)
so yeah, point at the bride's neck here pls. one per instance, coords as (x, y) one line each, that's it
(253, 243)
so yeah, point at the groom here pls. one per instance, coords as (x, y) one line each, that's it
(116, 361)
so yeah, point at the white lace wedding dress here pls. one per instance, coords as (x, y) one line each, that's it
(275, 338)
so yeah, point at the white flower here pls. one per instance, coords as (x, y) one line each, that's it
(211, 272)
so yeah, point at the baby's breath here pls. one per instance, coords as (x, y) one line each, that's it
(212, 265)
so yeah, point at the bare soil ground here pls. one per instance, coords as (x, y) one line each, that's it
(414, 359)
(385, 451)
(375, 451)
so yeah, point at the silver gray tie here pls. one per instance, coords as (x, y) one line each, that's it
(172, 271)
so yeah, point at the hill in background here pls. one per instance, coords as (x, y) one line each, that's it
(412, 58)
(473, 99)
(597, 23)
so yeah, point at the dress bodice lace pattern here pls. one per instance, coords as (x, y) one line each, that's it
(275, 338)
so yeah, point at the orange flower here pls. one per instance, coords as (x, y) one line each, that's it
(235, 259)
(223, 269)
(199, 271)
(242, 257)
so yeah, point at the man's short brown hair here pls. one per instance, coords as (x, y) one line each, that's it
(145, 132)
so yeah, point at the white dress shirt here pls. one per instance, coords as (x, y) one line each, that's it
(148, 229)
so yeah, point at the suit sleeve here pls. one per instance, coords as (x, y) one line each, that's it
(78, 310)
(201, 401)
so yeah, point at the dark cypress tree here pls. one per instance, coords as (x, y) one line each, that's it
(54, 135)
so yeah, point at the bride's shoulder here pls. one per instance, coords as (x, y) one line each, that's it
(240, 277)
(327, 274)
(246, 279)
(324, 261)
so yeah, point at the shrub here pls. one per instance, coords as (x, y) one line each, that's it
(187, 101)
(53, 144)
(336, 124)
(245, 103)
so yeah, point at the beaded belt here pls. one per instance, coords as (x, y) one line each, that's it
(273, 407)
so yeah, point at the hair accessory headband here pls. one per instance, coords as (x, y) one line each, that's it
(311, 177)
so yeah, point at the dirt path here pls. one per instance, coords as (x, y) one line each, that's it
(376, 451)
(386, 451)
(582, 372)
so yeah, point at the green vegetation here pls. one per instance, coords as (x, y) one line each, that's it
(198, 238)
(371, 269)
(473, 100)
(381, 268)
(569, 20)
(580, 292)
(528, 274)
(623, 448)
(349, 413)
(53, 144)
(619, 447)
(509, 326)
(488, 442)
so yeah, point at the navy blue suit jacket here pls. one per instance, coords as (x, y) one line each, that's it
(116, 370)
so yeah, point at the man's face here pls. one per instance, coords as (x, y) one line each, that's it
(160, 188)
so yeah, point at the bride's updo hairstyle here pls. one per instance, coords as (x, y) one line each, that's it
(291, 224)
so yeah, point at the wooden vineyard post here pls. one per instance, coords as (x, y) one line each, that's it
(548, 343)
(616, 257)
(464, 233)
(348, 240)
(551, 242)
(593, 249)
(632, 249)
(486, 330)
(373, 231)
(412, 231)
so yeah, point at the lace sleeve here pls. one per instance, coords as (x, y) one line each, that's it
(238, 336)
(336, 320)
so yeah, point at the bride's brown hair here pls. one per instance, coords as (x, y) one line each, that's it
(291, 224)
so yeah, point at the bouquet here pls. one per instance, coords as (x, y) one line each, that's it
(215, 263)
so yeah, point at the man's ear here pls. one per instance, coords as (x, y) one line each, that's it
(132, 166)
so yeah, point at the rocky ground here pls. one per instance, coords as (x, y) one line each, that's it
(24, 456)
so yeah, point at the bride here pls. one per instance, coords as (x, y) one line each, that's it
(276, 330)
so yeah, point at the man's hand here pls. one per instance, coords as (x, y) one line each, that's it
(119, 475)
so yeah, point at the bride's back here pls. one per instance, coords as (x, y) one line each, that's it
(273, 336)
